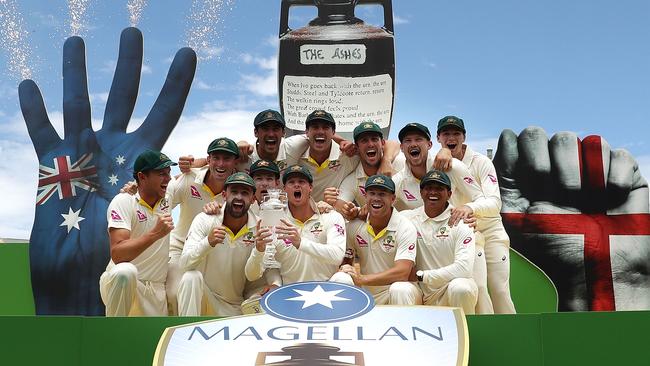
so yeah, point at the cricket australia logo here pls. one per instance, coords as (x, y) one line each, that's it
(249, 239)
(317, 302)
(443, 232)
(316, 229)
(389, 243)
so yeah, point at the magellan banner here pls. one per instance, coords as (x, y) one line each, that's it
(321, 323)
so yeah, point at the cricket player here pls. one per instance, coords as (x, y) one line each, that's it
(451, 136)
(371, 144)
(445, 256)
(310, 245)
(386, 246)
(192, 190)
(215, 253)
(138, 228)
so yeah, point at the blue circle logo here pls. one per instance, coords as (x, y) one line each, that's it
(317, 302)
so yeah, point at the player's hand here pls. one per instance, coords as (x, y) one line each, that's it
(212, 208)
(443, 160)
(459, 213)
(348, 148)
(288, 231)
(217, 236)
(349, 211)
(579, 211)
(331, 195)
(363, 212)
(347, 268)
(263, 237)
(164, 226)
(268, 288)
(66, 264)
(323, 207)
(130, 187)
(385, 167)
(185, 163)
(470, 221)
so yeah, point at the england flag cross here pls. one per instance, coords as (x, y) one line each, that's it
(64, 177)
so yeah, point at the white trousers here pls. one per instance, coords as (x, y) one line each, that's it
(195, 298)
(497, 257)
(174, 274)
(124, 295)
(484, 302)
(460, 292)
(398, 293)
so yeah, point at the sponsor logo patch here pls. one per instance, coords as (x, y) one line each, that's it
(195, 192)
(409, 196)
(340, 229)
(141, 216)
(492, 178)
(361, 242)
(115, 216)
(468, 180)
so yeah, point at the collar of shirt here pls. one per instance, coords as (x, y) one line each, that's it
(144, 204)
(315, 216)
(444, 215)
(469, 155)
(360, 173)
(393, 225)
(335, 153)
(199, 179)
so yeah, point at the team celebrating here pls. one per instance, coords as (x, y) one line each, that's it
(411, 224)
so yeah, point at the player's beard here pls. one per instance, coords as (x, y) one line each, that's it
(234, 212)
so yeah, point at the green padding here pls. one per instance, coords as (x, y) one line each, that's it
(531, 290)
(616, 338)
(15, 280)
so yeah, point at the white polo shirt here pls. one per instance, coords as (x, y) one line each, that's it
(378, 252)
(329, 174)
(322, 246)
(191, 193)
(132, 213)
(464, 187)
(352, 189)
(444, 252)
(222, 265)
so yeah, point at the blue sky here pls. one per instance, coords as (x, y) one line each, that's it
(582, 66)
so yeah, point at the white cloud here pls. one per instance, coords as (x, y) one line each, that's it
(432, 65)
(397, 20)
(202, 85)
(265, 84)
(18, 179)
(109, 66)
(146, 69)
(98, 98)
(272, 41)
(481, 145)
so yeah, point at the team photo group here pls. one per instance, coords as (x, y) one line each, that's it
(414, 221)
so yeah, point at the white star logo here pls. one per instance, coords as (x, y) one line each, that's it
(72, 219)
(120, 159)
(318, 296)
(112, 179)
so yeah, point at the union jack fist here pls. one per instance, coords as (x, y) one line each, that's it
(80, 174)
(578, 210)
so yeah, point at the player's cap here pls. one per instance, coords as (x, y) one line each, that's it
(436, 176)
(451, 121)
(224, 144)
(364, 127)
(151, 160)
(240, 178)
(414, 127)
(264, 166)
(320, 115)
(380, 181)
(297, 169)
(269, 115)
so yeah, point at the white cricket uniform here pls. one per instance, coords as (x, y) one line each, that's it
(446, 255)
(352, 189)
(137, 287)
(297, 145)
(329, 174)
(191, 193)
(379, 252)
(322, 246)
(214, 281)
(464, 187)
(489, 224)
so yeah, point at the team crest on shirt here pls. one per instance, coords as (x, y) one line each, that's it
(492, 178)
(361, 242)
(141, 216)
(388, 243)
(468, 180)
(249, 239)
(164, 205)
(443, 232)
(195, 192)
(339, 229)
(362, 190)
(409, 196)
(316, 229)
(115, 216)
(334, 165)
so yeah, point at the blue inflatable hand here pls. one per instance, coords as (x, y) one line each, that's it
(80, 174)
